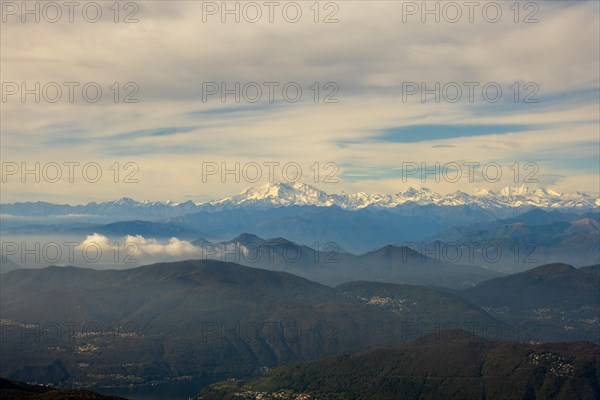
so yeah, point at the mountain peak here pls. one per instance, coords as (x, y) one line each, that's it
(279, 241)
(247, 238)
(125, 201)
(390, 250)
(279, 193)
(510, 191)
(551, 269)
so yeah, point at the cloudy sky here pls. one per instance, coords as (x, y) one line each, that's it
(369, 73)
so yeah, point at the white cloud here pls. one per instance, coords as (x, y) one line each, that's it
(175, 247)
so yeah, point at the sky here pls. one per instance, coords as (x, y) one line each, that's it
(379, 96)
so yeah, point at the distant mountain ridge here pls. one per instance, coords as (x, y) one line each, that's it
(537, 236)
(301, 194)
(330, 266)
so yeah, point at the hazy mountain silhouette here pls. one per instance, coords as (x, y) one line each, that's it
(534, 238)
(6, 264)
(329, 265)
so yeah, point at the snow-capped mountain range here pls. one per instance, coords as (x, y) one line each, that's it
(301, 194)
(288, 194)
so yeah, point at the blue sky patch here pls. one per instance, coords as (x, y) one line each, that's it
(428, 132)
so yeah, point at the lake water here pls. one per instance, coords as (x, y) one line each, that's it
(180, 390)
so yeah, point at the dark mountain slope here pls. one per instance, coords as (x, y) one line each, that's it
(416, 305)
(10, 390)
(560, 300)
(445, 365)
(185, 318)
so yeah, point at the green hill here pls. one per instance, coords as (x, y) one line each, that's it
(444, 365)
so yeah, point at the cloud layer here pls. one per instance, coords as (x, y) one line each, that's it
(372, 56)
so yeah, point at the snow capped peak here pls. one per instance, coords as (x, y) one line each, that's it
(279, 193)
(510, 191)
(460, 195)
(553, 193)
(124, 201)
(279, 189)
